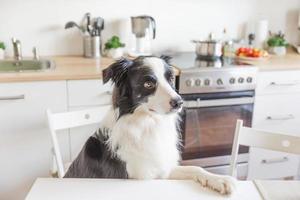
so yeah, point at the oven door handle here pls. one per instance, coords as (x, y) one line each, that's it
(217, 102)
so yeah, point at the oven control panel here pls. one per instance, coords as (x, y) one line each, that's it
(226, 80)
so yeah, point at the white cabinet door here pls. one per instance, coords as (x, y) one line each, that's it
(266, 164)
(275, 113)
(24, 138)
(279, 82)
(278, 113)
(89, 93)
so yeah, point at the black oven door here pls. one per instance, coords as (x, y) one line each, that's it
(209, 123)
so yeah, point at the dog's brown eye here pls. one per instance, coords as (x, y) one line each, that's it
(149, 85)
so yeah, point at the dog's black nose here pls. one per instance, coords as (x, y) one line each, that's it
(176, 103)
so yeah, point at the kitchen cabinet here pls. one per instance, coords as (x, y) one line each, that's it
(276, 110)
(83, 94)
(25, 141)
(24, 138)
(278, 82)
(88, 93)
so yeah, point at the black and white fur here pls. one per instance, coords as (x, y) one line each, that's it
(139, 138)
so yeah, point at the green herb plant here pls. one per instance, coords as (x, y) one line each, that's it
(277, 40)
(2, 45)
(114, 43)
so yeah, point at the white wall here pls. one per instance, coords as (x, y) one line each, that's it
(40, 22)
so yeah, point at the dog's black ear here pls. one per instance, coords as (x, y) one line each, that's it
(117, 71)
(166, 58)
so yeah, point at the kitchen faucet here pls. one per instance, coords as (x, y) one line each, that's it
(35, 53)
(17, 49)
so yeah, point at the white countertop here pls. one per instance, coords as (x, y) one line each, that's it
(115, 189)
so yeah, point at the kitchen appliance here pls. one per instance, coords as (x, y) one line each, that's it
(144, 31)
(216, 92)
(208, 48)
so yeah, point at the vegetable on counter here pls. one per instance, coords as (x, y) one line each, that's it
(277, 40)
(2, 45)
(114, 43)
(251, 52)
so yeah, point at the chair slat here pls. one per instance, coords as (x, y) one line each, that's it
(268, 140)
(261, 139)
(59, 121)
(77, 118)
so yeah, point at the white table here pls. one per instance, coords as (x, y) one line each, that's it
(108, 189)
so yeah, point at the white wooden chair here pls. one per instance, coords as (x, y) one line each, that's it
(66, 120)
(261, 139)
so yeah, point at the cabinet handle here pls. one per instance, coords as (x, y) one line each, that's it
(285, 84)
(274, 160)
(288, 117)
(22, 96)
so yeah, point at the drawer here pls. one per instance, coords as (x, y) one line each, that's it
(279, 113)
(89, 93)
(266, 164)
(278, 82)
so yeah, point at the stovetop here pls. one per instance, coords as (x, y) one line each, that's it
(190, 61)
(211, 75)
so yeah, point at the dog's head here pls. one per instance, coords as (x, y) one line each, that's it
(146, 83)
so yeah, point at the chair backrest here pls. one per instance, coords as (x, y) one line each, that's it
(65, 120)
(261, 139)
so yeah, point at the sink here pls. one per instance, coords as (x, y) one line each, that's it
(25, 65)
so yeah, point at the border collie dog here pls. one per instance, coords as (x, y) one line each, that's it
(138, 137)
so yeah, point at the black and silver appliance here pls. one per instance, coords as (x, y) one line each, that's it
(216, 93)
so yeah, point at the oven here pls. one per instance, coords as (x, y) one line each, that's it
(216, 92)
(208, 125)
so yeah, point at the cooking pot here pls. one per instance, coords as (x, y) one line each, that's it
(208, 48)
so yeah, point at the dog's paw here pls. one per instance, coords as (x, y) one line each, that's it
(223, 184)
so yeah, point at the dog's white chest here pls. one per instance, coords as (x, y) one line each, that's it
(149, 147)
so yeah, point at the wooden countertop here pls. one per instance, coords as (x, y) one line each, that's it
(78, 68)
(291, 61)
(67, 68)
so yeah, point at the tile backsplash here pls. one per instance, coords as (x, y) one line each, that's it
(41, 22)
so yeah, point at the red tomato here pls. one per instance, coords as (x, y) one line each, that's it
(242, 55)
(256, 50)
(250, 53)
(256, 54)
(242, 50)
